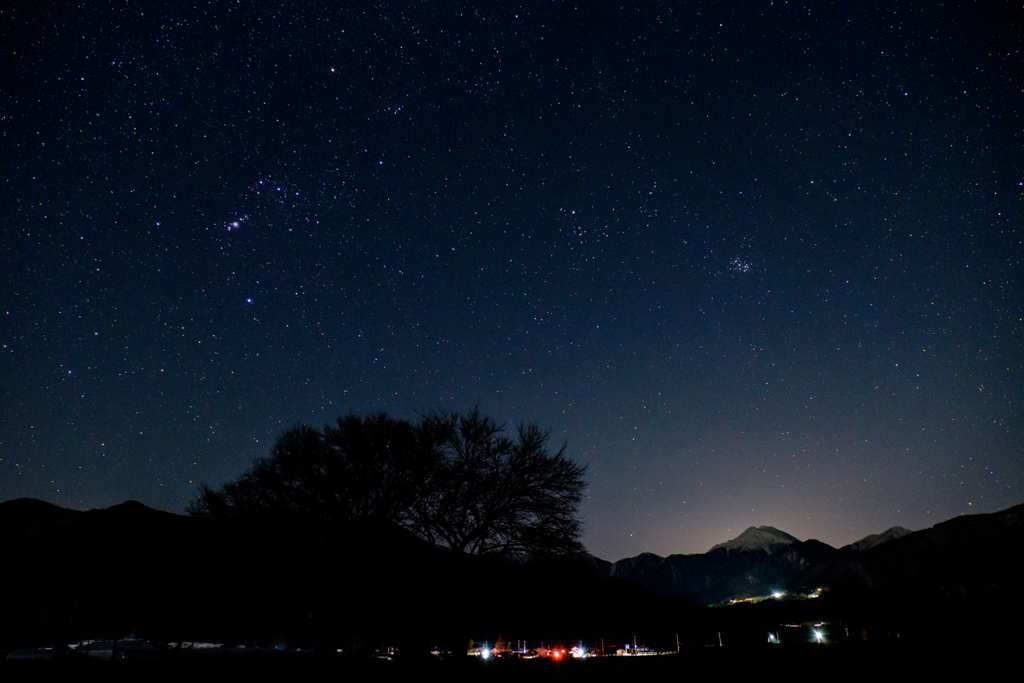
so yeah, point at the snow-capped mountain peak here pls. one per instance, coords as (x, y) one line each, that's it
(765, 539)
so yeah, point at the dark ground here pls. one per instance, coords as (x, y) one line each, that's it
(840, 662)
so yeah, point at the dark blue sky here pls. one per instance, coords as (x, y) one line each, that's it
(756, 262)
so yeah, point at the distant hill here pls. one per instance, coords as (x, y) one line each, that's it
(962, 554)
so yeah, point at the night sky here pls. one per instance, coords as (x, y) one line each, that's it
(756, 262)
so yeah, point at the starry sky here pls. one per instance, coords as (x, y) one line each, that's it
(756, 262)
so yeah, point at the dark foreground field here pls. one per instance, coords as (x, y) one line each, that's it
(860, 662)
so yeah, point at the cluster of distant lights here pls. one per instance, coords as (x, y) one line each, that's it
(778, 595)
(560, 653)
(817, 636)
(577, 652)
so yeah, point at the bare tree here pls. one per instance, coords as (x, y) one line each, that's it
(360, 467)
(297, 477)
(458, 481)
(384, 463)
(494, 494)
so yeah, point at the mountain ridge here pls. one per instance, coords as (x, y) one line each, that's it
(764, 561)
(758, 562)
(872, 540)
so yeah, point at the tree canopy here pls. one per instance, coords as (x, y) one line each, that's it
(457, 480)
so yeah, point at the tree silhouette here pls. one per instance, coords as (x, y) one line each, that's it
(494, 494)
(297, 478)
(384, 463)
(458, 481)
(359, 467)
